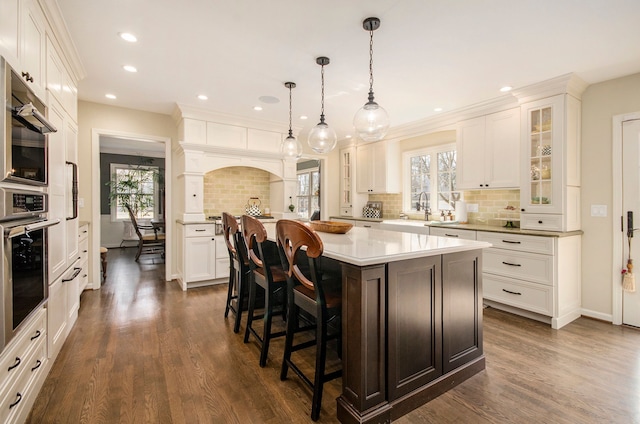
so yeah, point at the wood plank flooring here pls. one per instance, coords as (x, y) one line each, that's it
(144, 351)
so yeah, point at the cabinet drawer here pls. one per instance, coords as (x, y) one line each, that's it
(548, 222)
(521, 294)
(83, 233)
(368, 224)
(523, 243)
(521, 265)
(200, 230)
(22, 392)
(452, 232)
(83, 250)
(15, 356)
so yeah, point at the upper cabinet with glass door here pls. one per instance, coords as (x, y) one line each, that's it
(550, 182)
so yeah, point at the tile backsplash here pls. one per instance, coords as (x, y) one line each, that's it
(491, 205)
(229, 189)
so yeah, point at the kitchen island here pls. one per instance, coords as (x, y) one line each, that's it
(411, 319)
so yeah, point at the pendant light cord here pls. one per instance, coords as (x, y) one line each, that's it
(322, 95)
(371, 64)
(290, 132)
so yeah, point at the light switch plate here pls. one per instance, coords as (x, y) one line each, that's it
(81, 202)
(472, 207)
(599, 210)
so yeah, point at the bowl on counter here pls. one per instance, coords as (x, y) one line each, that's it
(334, 227)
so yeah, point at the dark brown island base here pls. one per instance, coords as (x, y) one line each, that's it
(411, 319)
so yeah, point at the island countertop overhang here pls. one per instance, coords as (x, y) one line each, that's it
(366, 246)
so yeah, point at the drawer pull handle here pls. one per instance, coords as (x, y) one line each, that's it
(38, 334)
(200, 230)
(451, 235)
(15, 364)
(17, 401)
(510, 264)
(511, 242)
(38, 363)
(511, 292)
(367, 226)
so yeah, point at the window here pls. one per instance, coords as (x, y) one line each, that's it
(135, 185)
(308, 198)
(433, 171)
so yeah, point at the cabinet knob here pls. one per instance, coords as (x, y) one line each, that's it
(27, 76)
(539, 222)
(521, 210)
(481, 185)
(194, 195)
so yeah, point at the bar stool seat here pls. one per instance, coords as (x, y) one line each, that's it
(317, 294)
(238, 269)
(266, 272)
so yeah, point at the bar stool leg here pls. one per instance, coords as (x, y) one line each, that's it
(252, 305)
(241, 281)
(321, 356)
(230, 290)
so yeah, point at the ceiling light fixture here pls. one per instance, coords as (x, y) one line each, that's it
(258, 108)
(291, 148)
(110, 96)
(506, 89)
(202, 97)
(127, 36)
(303, 117)
(371, 122)
(438, 109)
(129, 68)
(322, 138)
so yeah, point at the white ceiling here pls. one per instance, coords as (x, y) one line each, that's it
(427, 53)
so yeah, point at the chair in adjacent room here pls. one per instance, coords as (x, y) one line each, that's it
(238, 269)
(317, 293)
(147, 243)
(267, 273)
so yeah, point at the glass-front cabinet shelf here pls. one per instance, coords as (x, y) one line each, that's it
(541, 182)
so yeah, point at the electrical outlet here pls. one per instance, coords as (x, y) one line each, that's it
(472, 207)
(81, 202)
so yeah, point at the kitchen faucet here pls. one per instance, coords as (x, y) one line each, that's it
(425, 205)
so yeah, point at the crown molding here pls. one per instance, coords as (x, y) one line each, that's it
(226, 151)
(182, 111)
(563, 84)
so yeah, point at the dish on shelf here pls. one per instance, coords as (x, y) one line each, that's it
(333, 227)
(538, 200)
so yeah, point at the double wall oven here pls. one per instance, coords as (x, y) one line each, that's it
(23, 202)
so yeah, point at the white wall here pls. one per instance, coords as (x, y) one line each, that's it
(600, 102)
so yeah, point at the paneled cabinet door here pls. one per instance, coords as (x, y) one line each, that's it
(9, 23)
(32, 46)
(470, 151)
(56, 317)
(200, 258)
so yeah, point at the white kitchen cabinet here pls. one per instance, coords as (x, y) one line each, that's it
(231, 136)
(378, 168)
(23, 366)
(444, 231)
(71, 280)
(368, 224)
(488, 151)
(222, 258)
(534, 276)
(263, 141)
(32, 46)
(550, 175)
(198, 263)
(59, 83)
(351, 201)
(83, 251)
(9, 24)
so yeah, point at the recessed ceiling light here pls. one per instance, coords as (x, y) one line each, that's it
(348, 136)
(110, 96)
(127, 36)
(303, 117)
(257, 108)
(129, 68)
(202, 97)
(506, 88)
(438, 109)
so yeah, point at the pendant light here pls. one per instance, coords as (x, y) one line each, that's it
(371, 122)
(291, 148)
(322, 138)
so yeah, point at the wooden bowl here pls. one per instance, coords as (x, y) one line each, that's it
(334, 227)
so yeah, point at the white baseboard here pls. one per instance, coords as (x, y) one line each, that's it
(597, 315)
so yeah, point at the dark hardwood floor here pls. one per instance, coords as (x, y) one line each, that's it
(144, 351)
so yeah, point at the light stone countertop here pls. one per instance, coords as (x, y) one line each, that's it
(366, 246)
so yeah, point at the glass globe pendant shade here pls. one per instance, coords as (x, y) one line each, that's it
(291, 148)
(371, 122)
(322, 138)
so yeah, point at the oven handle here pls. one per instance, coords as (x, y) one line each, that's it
(23, 229)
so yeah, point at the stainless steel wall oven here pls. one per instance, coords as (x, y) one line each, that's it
(24, 131)
(23, 257)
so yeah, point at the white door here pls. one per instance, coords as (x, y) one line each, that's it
(631, 202)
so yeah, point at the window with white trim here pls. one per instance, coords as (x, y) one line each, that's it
(433, 171)
(308, 197)
(136, 185)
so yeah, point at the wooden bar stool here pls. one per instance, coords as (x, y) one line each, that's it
(103, 261)
(266, 272)
(238, 269)
(317, 294)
